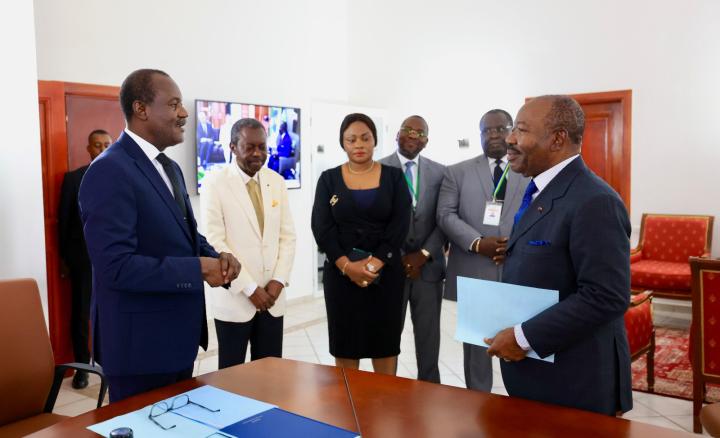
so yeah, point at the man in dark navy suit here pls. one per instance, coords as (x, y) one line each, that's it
(571, 234)
(74, 255)
(149, 261)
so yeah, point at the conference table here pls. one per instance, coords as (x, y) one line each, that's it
(376, 405)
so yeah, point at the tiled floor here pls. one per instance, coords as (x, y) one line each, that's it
(306, 339)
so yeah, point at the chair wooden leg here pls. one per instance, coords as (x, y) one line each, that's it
(651, 364)
(698, 396)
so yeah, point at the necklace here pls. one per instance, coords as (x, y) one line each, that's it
(362, 172)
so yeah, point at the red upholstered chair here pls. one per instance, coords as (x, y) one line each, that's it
(705, 329)
(660, 261)
(641, 332)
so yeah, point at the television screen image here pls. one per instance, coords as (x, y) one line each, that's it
(212, 137)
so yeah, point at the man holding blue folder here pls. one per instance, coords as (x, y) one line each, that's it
(571, 234)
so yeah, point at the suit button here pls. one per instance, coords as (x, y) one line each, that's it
(389, 255)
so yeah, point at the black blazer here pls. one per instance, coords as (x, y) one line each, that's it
(575, 238)
(339, 225)
(70, 230)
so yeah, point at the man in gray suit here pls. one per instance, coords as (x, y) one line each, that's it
(423, 256)
(476, 246)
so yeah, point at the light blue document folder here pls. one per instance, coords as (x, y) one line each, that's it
(487, 307)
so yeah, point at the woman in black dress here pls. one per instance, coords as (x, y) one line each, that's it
(360, 219)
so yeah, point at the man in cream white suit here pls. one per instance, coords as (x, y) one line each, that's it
(245, 211)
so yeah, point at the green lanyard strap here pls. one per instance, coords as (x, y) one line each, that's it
(500, 183)
(414, 190)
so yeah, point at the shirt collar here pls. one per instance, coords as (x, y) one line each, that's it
(404, 159)
(245, 177)
(148, 149)
(542, 180)
(491, 161)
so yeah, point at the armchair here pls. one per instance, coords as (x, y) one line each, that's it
(30, 380)
(660, 261)
(705, 330)
(641, 333)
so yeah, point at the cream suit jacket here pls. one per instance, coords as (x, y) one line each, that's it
(230, 225)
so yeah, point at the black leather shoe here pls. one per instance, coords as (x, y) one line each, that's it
(80, 380)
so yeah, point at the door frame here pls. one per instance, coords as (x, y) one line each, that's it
(54, 158)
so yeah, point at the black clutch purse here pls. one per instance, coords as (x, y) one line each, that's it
(359, 254)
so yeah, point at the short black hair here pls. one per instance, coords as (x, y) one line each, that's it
(357, 117)
(97, 132)
(138, 86)
(497, 111)
(566, 114)
(247, 123)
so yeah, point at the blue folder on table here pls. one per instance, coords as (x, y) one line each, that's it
(486, 307)
(278, 423)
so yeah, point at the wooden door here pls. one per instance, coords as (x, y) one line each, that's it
(90, 105)
(606, 140)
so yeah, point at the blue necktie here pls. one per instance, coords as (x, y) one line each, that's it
(410, 180)
(526, 200)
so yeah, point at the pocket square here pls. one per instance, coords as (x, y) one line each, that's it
(539, 243)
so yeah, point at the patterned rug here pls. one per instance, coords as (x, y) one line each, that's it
(673, 372)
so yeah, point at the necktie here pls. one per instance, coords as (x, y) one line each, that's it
(410, 179)
(497, 174)
(256, 198)
(526, 200)
(174, 182)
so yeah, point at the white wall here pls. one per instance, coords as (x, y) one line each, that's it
(453, 60)
(22, 232)
(283, 53)
(450, 61)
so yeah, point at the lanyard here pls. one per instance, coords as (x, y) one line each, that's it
(500, 183)
(414, 190)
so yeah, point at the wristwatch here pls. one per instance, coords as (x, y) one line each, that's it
(426, 253)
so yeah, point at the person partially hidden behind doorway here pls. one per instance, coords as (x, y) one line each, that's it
(74, 256)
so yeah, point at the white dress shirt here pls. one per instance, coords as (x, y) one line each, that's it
(541, 181)
(250, 288)
(503, 164)
(152, 152)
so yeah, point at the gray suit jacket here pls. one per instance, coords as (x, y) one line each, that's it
(466, 188)
(424, 232)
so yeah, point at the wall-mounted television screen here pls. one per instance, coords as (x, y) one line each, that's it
(212, 137)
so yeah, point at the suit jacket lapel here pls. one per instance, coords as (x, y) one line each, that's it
(151, 173)
(483, 170)
(423, 174)
(239, 190)
(545, 201)
(266, 192)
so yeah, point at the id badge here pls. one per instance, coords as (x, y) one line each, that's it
(493, 210)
